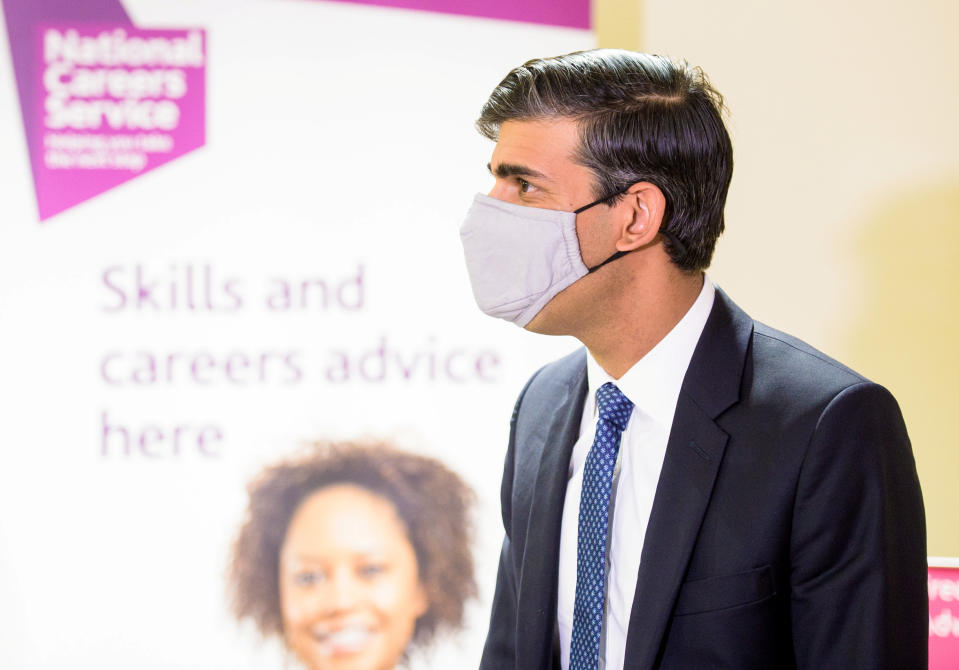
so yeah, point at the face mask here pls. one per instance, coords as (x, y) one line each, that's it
(518, 257)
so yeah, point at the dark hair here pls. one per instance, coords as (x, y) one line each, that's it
(432, 501)
(642, 118)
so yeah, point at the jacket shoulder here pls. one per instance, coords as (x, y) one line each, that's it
(559, 373)
(796, 366)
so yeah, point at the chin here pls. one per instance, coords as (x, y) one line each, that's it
(344, 662)
(563, 315)
(542, 327)
(550, 321)
(371, 656)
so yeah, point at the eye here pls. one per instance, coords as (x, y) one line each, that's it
(371, 570)
(524, 186)
(308, 578)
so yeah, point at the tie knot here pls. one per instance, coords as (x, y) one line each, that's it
(613, 405)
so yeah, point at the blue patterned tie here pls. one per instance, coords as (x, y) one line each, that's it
(614, 411)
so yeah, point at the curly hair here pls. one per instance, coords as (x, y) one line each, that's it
(432, 501)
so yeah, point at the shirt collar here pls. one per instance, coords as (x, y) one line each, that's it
(653, 383)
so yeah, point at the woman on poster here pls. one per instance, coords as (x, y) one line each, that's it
(354, 554)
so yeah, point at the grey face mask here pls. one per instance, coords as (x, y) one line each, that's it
(519, 257)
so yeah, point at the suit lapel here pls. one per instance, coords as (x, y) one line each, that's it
(693, 455)
(540, 567)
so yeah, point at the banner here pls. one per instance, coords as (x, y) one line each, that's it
(943, 613)
(229, 249)
(570, 13)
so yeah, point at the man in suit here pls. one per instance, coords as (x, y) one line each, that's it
(693, 489)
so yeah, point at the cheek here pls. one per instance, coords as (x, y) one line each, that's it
(388, 595)
(295, 608)
(589, 247)
(403, 602)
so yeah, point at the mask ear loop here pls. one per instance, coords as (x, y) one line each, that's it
(596, 202)
(618, 254)
(673, 240)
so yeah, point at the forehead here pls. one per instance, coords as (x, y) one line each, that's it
(546, 145)
(343, 515)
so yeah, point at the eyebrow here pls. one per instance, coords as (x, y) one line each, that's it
(504, 170)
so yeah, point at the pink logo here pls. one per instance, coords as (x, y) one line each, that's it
(112, 103)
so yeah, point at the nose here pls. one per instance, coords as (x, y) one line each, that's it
(499, 190)
(342, 592)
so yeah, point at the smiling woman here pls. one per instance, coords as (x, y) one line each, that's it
(354, 554)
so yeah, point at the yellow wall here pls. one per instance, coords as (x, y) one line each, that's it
(843, 216)
(618, 23)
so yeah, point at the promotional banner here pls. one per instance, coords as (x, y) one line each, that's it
(570, 13)
(250, 414)
(943, 613)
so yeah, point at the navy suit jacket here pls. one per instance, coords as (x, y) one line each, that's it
(787, 529)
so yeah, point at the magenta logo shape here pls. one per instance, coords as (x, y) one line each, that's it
(112, 103)
(102, 101)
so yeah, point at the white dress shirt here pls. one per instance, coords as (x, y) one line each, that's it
(652, 384)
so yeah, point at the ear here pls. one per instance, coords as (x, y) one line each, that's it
(641, 210)
(420, 603)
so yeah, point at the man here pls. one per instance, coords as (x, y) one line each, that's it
(695, 489)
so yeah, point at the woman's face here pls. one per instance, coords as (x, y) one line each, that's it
(350, 592)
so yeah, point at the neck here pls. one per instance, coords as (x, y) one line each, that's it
(637, 316)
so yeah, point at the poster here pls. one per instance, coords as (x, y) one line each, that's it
(230, 229)
(943, 613)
